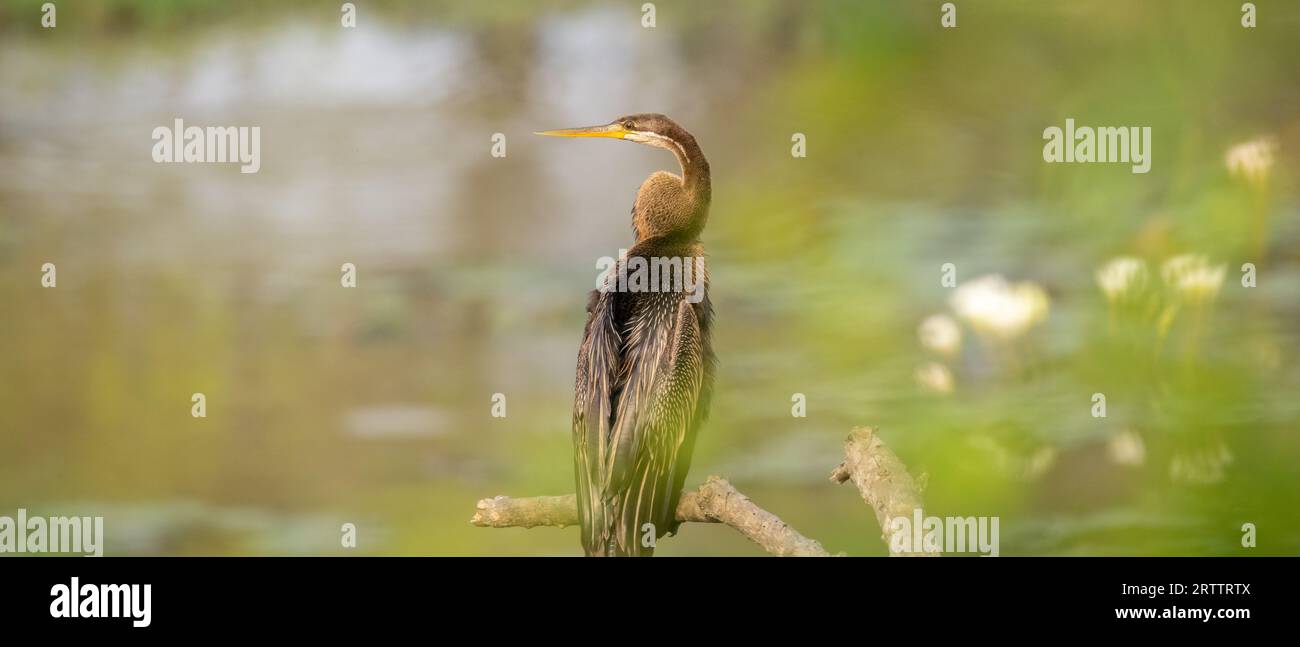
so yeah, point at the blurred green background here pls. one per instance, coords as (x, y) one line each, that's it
(924, 147)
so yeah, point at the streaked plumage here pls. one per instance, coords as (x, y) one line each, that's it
(645, 367)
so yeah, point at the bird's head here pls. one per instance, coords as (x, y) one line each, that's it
(649, 128)
(660, 207)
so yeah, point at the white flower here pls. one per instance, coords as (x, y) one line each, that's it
(1126, 448)
(992, 305)
(935, 377)
(1121, 276)
(1192, 276)
(1202, 467)
(1252, 160)
(1017, 465)
(940, 334)
(1039, 462)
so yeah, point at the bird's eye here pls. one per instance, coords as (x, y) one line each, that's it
(627, 124)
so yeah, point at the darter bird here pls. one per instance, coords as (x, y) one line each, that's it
(645, 367)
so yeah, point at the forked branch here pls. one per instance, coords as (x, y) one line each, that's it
(879, 475)
(716, 501)
(882, 480)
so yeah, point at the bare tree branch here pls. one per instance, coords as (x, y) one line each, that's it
(716, 501)
(882, 480)
(505, 512)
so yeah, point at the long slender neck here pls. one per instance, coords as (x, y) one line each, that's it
(695, 168)
(677, 211)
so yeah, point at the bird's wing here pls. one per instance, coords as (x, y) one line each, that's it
(593, 411)
(663, 370)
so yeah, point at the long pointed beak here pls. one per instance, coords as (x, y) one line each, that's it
(608, 130)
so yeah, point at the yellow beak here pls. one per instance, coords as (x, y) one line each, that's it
(614, 131)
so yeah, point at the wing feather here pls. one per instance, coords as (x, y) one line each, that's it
(644, 377)
(660, 420)
(598, 362)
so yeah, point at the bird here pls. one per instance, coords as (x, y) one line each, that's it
(646, 364)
